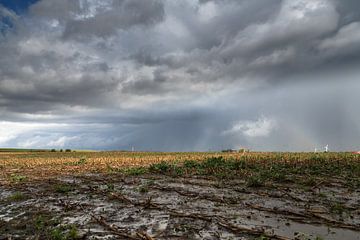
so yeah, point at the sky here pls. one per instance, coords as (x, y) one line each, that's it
(180, 75)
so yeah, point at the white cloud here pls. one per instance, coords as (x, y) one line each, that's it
(207, 11)
(276, 57)
(53, 135)
(294, 22)
(62, 141)
(12, 130)
(259, 128)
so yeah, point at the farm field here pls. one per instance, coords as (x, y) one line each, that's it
(148, 195)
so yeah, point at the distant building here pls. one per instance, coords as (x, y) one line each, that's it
(244, 150)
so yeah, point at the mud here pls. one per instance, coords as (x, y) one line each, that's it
(114, 206)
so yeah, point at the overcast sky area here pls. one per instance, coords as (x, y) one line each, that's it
(180, 75)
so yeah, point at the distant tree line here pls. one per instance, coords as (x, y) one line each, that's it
(61, 150)
(241, 150)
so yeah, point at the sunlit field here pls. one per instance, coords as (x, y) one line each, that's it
(149, 195)
(48, 164)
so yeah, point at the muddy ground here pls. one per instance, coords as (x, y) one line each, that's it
(156, 206)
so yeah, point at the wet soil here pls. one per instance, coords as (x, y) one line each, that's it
(152, 206)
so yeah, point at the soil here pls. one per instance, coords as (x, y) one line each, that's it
(155, 206)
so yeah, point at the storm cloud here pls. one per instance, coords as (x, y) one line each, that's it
(181, 75)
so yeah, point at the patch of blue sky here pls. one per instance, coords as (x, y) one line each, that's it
(10, 10)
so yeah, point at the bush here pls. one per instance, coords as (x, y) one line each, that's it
(17, 196)
(237, 164)
(161, 167)
(17, 178)
(255, 181)
(135, 171)
(190, 164)
(214, 162)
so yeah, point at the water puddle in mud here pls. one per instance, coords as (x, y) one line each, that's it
(288, 228)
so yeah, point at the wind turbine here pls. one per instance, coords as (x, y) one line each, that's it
(327, 148)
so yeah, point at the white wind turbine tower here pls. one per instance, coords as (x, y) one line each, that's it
(327, 148)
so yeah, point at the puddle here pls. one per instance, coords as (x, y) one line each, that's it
(287, 228)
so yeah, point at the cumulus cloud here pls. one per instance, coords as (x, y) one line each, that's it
(14, 130)
(174, 75)
(262, 127)
(293, 23)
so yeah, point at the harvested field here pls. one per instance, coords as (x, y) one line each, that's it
(119, 195)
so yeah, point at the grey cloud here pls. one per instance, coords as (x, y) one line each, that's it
(99, 18)
(349, 10)
(60, 10)
(280, 42)
(143, 57)
(230, 18)
(143, 87)
(347, 37)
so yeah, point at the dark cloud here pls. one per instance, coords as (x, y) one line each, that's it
(100, 18)
(180, 75)
(348, 10)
